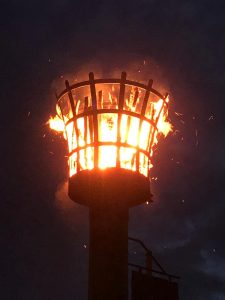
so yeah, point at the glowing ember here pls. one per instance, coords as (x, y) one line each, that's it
(126, 135)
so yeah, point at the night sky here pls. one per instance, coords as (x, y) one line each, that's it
(181, 45)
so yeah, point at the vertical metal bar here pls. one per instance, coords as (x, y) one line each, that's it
(108, 268)
(65, 130)
(74, 121)
(131, 104)
(100, 99)
(137, 156)
(164, 101)
(120, 110)
(147, 94)
(85, 104)
(136, 94)
(143, 110)
(91, 130)
(95, 117)
(85, 128)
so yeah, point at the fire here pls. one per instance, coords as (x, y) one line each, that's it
(56, 123)
(123, 136)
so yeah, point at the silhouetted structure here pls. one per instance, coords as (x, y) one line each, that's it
(148, 287)
(151, 284)
(109, 172)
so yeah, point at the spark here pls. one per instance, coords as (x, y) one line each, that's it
(196, 135)
(154, 178)
(176, 132)
(178, 114)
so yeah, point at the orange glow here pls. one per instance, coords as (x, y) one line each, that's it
(131, 144)
(56, 124)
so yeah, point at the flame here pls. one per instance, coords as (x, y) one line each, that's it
(135, 133)
(56, 123)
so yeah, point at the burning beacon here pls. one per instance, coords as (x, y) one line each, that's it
(111, 127)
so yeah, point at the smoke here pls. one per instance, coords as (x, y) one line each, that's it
(72, 214)
(62, 199)
(138, 68)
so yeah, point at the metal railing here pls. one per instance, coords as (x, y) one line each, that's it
(161, 271)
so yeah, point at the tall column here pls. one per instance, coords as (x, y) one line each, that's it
(109, 194)
(108, 256)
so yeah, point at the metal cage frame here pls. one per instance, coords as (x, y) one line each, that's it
(94, 112)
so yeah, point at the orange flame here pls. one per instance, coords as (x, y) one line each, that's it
(136, 135)
(56, 124)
